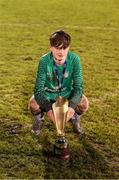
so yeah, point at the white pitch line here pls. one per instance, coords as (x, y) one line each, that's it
(93, 28)
(63, 26)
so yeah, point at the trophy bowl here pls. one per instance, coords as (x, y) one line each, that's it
(60, 109)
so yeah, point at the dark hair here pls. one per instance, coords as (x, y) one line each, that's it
(60, 39)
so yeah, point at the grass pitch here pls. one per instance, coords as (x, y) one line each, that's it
(24, 31)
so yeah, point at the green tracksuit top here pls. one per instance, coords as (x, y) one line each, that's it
(47, 81)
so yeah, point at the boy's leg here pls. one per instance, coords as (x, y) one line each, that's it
(38, 115)
(81, 108)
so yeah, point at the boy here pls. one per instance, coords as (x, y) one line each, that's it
(59, 74)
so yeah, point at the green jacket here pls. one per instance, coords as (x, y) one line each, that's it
(46, 87)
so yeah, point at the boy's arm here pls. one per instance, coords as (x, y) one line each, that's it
(77, 84)
(39, 91)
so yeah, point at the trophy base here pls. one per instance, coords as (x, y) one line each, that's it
(63, 154)
(61, 150)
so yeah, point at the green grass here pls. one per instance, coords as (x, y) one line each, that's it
(24, 31)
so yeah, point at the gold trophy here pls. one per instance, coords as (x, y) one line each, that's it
(60, 109)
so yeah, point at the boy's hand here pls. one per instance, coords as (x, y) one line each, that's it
(50, 115)
(70, 114)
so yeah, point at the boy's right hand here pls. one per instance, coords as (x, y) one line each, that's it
(50, 115)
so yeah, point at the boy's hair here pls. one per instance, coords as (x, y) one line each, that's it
(60, 39)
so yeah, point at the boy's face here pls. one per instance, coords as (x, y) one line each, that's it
(59, 54)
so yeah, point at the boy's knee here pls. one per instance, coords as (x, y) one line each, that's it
(33, 106)
(85, 103)
(83, 106)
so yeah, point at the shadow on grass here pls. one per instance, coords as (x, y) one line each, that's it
(85, 162)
